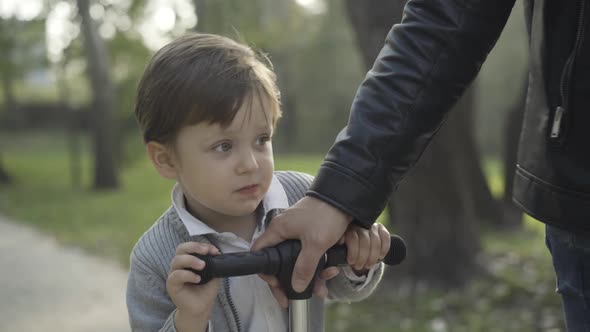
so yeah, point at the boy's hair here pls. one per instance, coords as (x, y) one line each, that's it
(201, 78)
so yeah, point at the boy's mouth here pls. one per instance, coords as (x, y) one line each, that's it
(249, 189)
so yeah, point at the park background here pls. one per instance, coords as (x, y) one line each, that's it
(72, 163)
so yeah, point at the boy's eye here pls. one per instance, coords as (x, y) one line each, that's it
(223, 147)
(262, 140)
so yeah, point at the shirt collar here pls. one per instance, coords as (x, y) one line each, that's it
(275, 198)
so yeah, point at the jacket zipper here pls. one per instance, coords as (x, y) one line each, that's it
(561, 110)
(230, 301)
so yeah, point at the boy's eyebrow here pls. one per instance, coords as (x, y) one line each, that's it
(265, 128)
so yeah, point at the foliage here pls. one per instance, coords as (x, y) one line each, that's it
(23, 51)
(22, 46)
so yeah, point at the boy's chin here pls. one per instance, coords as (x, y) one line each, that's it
(244, 210)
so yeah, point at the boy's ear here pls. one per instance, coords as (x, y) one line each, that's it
(162, 159)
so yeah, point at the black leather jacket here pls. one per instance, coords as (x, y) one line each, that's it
(427, 62)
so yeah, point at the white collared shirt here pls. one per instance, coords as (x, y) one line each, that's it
(257, 308)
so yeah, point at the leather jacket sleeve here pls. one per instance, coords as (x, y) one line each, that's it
(427, 62)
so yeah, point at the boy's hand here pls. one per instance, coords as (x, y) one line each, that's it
(365, 247)
(193, 302)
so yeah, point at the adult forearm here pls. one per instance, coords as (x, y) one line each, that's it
(426, 64)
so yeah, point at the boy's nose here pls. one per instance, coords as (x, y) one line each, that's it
(248, 162)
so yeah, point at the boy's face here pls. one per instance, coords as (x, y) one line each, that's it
(226, 171)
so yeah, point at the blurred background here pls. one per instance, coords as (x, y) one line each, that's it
(72, 163)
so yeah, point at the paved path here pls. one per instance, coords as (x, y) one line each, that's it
(47, 287)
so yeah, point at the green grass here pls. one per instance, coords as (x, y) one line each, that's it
(517, 296)
(107, 223)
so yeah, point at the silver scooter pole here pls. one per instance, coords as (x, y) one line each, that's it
(298, 316)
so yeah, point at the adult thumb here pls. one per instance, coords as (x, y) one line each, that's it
(305, 267)
(271, 237)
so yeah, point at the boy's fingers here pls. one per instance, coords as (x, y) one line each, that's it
(180, 262)
(276, 289)
(375, 251)
(212, 250)
(329, 273)
(364, 249)
(281, 297)
(180, 277)
(320, 289)
(385, 241)
(352, 247)
(272, 281)
(195, 248)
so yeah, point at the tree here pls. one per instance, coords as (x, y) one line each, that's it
(512, 124)
(5, 178)
(7, 73)
(8, 67)
(437, 206)
(22, 51)
(104, 102)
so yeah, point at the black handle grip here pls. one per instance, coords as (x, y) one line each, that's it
(237, 264)
(280, 261)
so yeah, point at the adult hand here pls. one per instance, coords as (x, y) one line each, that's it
(318, 225)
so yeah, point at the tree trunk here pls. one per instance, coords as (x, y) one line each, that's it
(14, 117)
(7, 71)
(105, 171)
(288, 124)
(434, 212)
(512, 214)
(371, 21)
(7, 86)
(437, 206)
(486, 208)
(288, 128)
(5, 178)
(73, 136)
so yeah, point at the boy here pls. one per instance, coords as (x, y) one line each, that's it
(207, 108)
